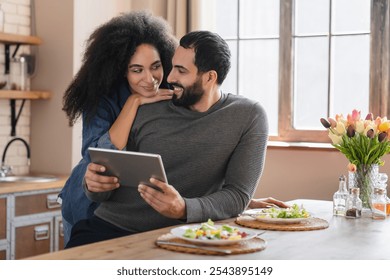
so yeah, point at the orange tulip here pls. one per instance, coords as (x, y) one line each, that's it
(351, 167)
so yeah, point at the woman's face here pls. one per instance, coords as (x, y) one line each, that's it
(145, 71)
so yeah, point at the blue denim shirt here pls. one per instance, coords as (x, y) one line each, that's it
(75, 205)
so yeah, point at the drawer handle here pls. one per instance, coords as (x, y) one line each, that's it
(51, 201)
(41, 232)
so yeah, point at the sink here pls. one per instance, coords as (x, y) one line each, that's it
(28, 179)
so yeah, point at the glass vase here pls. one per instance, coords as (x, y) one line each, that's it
(364, 178)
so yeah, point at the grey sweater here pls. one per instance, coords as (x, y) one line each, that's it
(214, 159)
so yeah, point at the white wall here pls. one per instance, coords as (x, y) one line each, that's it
(292, 173)
(51, 137)
(86, 21)
(64, 26)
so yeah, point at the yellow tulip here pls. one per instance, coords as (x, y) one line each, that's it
(340, 128)
(335, 138)
(384, 126)
(359, 126)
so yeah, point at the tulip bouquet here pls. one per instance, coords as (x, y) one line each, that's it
(361, 141)
(364, 143)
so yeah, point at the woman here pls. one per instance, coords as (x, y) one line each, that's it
(125, 65)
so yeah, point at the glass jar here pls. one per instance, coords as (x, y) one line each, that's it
(354, 204)
(378, 204)
(340, 198)
(18, 74)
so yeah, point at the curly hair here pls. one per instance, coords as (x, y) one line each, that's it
(108, 52)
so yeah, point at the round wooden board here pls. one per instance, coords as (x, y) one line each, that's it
(248, 246)
(309, 224)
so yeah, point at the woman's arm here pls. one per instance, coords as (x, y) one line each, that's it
(120, 129)
(267, 202)
(118, 135)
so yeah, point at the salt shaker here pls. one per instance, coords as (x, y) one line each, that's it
(354, 204)
(378, 204)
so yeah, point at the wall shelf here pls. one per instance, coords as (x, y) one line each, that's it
(17, 94)
(15, 39)
(9, 39)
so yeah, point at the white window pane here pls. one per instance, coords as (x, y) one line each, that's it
(350, 74)
(258, 76)
(230, 83)
(259, 19)
(226, 18)
(311, 17)
(310, 82)
(351, 16)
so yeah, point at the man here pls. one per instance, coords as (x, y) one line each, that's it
(212, 145)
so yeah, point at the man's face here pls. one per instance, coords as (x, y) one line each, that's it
(184, 78)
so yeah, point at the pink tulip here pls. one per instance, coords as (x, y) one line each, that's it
(332, 122)
(369, 117)
(354, 117)
(378, 121)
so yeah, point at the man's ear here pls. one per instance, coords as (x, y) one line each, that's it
(210, 77)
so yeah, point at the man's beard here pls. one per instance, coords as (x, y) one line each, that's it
(190, 96)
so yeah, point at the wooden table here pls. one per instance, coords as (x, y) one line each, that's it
(345, 239)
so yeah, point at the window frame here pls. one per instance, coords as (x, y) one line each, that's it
(379, 83)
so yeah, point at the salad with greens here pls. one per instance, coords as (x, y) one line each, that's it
(294, 212)
(208, 231)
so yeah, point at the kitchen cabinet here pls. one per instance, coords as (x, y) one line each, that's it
(33, 223)
(30, 219)
(4, 228)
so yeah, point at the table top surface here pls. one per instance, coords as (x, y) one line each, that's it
(344, 239)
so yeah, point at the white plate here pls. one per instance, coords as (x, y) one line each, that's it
(256, 214)
(179, 231)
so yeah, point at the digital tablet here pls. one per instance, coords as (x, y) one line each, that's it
(131, 168)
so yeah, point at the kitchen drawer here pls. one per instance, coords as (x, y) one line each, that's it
(3, 254)
(3, 218)
(36, 203)
(31, 240)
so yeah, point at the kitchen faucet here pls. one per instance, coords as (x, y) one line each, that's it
(7, 170)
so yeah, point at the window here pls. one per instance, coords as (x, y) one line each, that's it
(307, 59)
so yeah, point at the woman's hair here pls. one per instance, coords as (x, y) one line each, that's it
(108, 52)
(211, 52)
